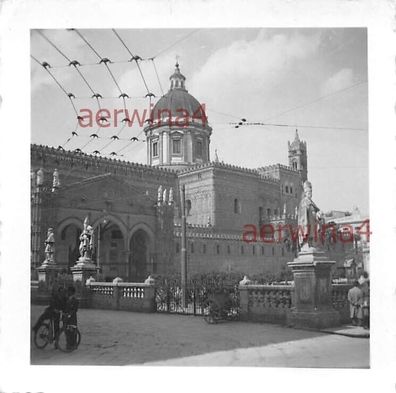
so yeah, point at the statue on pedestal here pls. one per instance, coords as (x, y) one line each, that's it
(86, 241)
(49, 246)
(309, 221)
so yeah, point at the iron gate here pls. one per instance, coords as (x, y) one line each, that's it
(169, 296)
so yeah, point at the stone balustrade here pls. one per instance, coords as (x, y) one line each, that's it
(271, 303)
(122, 296)
(265, 303)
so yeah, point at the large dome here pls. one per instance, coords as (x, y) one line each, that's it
(177, 103)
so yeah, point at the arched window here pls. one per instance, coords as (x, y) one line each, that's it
(242, 250)
(287, 189)
(228, 249)
(177, 247)
(188, 206)
(199, 149)
(204, 248)
(237, 206)
(192, 248)
(176, 146)
(218, 248)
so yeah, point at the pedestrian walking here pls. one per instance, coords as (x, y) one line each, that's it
(355, 299)
(365, 287)
(71, 317)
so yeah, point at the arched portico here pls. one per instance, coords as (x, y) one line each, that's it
(141, 246)
(67, 242)
(110, 246)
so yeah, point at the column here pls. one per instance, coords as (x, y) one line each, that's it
(161, 148)
(165, 141)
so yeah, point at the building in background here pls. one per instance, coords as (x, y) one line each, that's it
(135, 209)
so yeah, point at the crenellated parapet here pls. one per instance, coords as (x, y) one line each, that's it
(232, 168)
(277, 167)
(205, 232)
(43, 154)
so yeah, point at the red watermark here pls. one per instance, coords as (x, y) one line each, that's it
(270, 233)
(106, 118)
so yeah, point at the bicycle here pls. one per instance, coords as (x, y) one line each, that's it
(220, 307)
(45, 334)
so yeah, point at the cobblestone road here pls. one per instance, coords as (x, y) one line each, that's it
(126, 338)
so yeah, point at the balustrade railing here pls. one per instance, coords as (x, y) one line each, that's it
(122, 296)
(266, 303)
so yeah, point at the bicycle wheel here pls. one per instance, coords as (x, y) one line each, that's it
(42, 336)
(65, 337)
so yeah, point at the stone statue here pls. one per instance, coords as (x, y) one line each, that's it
(86, 241)
(309, 221)
(171, 196)
(159, 197)
(49, 246)
(55, 180)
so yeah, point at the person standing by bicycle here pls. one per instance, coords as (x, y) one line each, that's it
(57, 304)
(71, 317)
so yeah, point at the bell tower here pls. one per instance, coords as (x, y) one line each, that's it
(298, 156)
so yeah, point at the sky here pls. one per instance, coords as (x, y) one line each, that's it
(314, 80)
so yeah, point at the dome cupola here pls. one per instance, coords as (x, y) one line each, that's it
(178, 134)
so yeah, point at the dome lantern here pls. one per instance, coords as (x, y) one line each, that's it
(177, 79)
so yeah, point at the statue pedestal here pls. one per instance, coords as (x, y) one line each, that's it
(313, 291)
(83, 269)
(47, 272)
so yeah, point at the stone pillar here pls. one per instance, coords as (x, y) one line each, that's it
(313, 291)
(47, 273)
(83, 269)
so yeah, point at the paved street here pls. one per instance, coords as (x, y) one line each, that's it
(126, 338)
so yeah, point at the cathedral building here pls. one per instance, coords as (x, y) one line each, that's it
(135, 212)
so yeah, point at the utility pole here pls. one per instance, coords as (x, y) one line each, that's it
(183, 246)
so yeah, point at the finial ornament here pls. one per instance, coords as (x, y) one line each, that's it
(216, 156)
(165, 196)
(40, 177)
(55, 180)
(159, 196)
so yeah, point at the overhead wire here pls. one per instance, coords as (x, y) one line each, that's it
(134, 58)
